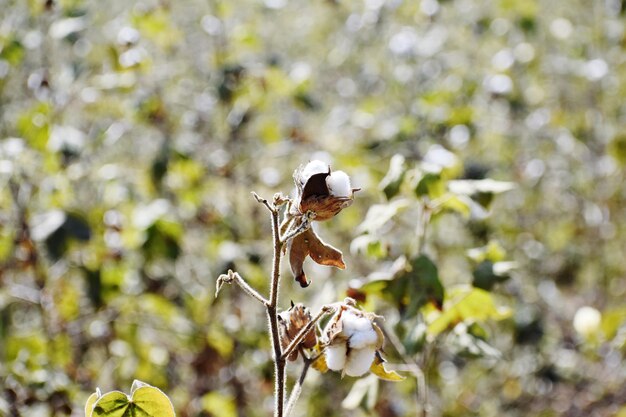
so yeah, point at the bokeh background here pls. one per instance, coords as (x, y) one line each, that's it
(131, 135)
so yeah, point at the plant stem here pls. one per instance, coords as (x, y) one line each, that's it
(423, 218)
(272, 314)
(297, 388)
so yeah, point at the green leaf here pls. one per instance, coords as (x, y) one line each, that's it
(485, 276)
(416, 286)
(34, 125)
(612, 320)
(217, 404)
(431, 185)
(91, 401)
(145, 401)
(395, 176)
(112, 404)
(427, 279)
(379, 214)
(12, 51)
(451, 202)
(153, 402)
(369, 245)
(467, 305)
(493, 252)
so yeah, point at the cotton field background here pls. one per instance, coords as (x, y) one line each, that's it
(487, 139)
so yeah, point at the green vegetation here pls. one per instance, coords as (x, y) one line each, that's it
(487, 140)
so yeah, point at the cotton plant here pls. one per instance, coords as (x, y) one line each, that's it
(351, 342)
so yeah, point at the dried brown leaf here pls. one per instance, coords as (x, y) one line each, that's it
(309, 244)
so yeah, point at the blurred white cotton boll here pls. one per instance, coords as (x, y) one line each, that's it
(339, 184)
(587, 321)
(359, 361)
(336, 356)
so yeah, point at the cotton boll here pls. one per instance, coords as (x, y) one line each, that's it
(587, 321)
(313, 168)
(359, 361)
(336, 356)
(362, 339)
(339, 184)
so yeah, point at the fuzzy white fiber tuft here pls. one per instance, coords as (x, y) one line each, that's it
(339, 184)
(361, 339)
(359, 361)
(336, 356)
(312, 168)
(359, 330)
(354, 323)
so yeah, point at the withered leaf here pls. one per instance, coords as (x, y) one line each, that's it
(378, 369)
(309, 244)
(380, 336)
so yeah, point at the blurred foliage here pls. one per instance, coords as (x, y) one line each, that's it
(487, 138)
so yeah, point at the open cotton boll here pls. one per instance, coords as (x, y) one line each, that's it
(339, 184)
(359, 361)
(336, 356)
(361, 339)
(313, 168)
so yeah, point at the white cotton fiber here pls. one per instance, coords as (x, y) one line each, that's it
(336, 356)
(361, 339)
(359, 361)
(354, 323)
(339, 184)
(313, 168)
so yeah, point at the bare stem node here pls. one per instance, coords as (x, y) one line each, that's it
(266, 203)
(280, 200)
(234, 277)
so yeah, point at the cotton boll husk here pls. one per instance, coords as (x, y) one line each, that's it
(359, 361)
(313, 168)
(336, 356)
(339, 184)
(361, 339)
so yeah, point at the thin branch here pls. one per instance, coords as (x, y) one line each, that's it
(297, 388)
(305, 330)
(237, 279)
